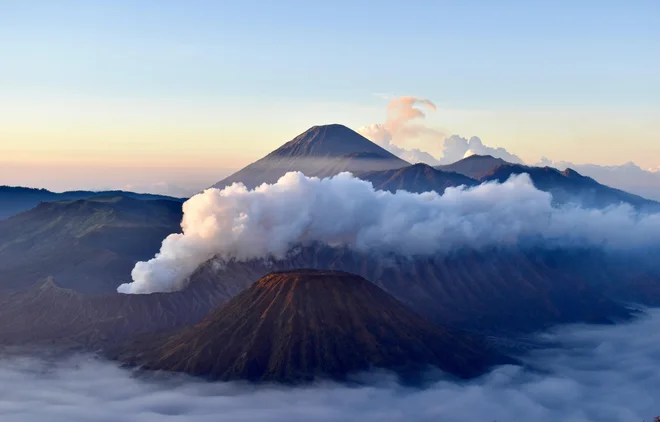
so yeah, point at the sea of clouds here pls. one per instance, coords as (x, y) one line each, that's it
(592, 374)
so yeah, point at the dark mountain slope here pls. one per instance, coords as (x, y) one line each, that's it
(15, 199)
(88, 245)
(320, 151)
(499, 290)
(417, 178)
(47, 314)
(299, 325)
(501, 293)
(569, 186)
(474, 166)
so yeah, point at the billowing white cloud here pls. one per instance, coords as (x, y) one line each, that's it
(401, 112)
(269, 221)
(598, 374)
(456, 148)
(400, 126)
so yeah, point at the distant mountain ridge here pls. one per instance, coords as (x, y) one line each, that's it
(628, 177)
(16, 199)
(567, 186)
(570, 186)
(321, 151)
(87, 244)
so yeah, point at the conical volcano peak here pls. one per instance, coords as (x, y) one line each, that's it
(332, 140)
(320, 151)
(332, 128)
(298, 325)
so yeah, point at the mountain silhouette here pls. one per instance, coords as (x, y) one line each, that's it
(16, 199)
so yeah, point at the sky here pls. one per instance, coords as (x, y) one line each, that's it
(145, 93)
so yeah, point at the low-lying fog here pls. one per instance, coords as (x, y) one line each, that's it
(599, 374)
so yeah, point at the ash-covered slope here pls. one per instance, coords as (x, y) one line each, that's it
(320, 151)
(417, 178)
(302, 324)
(90, 245)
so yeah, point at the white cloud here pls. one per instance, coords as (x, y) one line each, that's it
(401, 112)
(600, 374)
(456, 148)
(400, 127)
(237, 223)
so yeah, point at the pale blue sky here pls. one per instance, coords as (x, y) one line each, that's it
(264, 70)
(465, 54)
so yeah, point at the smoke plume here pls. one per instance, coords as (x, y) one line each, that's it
(240, 224)
(400, 127)
(598, 374)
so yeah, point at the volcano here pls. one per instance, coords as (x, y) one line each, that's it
(417, 178)
(320, 151)
(305, 324)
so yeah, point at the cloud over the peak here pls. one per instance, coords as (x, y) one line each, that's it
(456, 148)
(399, 126)
(271, 220)
(405, 121)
